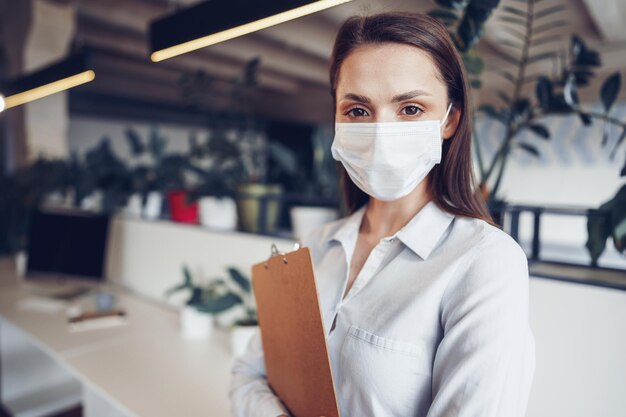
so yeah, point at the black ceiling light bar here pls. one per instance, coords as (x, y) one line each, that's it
(215, 21)
(62, 75)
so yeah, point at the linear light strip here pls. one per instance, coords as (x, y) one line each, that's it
(227, 34)
(48, 89)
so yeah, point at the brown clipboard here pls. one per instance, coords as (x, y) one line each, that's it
(292, 333)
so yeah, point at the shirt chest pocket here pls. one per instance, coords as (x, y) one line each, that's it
(393, 377)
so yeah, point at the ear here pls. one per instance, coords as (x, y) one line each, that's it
(452, 123)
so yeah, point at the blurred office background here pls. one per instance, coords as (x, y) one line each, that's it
(155, 170)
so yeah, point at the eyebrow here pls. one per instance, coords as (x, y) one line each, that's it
(395, 99)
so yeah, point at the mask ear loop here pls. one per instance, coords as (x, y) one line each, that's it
(446, 116)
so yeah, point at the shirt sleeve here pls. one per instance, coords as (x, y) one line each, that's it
(485, 362)
(250, 395)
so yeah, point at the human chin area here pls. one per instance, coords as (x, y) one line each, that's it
(177, 193)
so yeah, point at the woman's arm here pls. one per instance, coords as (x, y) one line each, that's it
(485, 362)
(250, 395)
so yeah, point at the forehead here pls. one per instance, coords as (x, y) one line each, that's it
(389, 67)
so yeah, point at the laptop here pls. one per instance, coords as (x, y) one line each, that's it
(66, 252)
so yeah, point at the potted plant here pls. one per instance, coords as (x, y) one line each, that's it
(204, 302)
(243, 328)
(216, 165)
(156, 174)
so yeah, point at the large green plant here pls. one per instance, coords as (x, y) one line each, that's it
(529, 24)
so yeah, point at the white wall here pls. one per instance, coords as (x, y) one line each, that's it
(148, 256)
(580, 345)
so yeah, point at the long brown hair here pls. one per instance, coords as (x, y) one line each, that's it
(451, 182)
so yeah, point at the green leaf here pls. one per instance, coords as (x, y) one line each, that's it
(546, 39)
(238, 277)
(515, 11)
(220, 304)
(514, 20)
(544, 92)
(471, 24)
(549, 26)
(540, 130)
(134, 142)
(598, 231)
(548, 11)
(529, 148)
(516, 34)
(505, 74)
(473, 63)
(491, 111)
(606, 128)
(508, 58)
(621, 138)
(475, 83)
(452, 4)
(585, 119)
(610, 90)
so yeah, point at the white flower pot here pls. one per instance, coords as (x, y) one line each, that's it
(154, 205)
(194, 324)
(240, 337)
(307, 219)
(218, 213)
(133, 206)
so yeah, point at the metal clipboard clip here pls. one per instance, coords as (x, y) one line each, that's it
(276, 252)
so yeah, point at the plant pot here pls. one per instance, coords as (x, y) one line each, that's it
(194, 324)
(306, 219)
(133, 206)
(240, 337)
(249, 207)
(153, 206)
(218, 213)
(181, 210)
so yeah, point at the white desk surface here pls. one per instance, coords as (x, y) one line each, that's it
(143, 367)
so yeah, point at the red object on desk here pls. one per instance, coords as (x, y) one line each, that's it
(180, 210)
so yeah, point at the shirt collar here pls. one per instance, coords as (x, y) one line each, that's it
(421, 234)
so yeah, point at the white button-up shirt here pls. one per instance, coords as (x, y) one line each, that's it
(435, 324)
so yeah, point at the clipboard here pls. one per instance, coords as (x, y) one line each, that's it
(292, 333)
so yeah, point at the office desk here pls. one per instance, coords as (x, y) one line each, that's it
(141, 369)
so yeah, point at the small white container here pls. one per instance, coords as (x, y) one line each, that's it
(154, 205)
(218, 213)
(195, 324)
(307, 219)
(240, 336)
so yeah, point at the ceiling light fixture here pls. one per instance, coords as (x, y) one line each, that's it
(213, 21)
(63, 75)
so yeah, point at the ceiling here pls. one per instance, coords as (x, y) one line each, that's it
(293, 73)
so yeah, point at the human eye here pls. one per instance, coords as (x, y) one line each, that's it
(356, 112)
(411, 110)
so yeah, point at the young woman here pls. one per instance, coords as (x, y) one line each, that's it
(424, 299)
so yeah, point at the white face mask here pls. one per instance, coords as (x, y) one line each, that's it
(387, 160)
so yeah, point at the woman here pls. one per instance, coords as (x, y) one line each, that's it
(424, 299)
